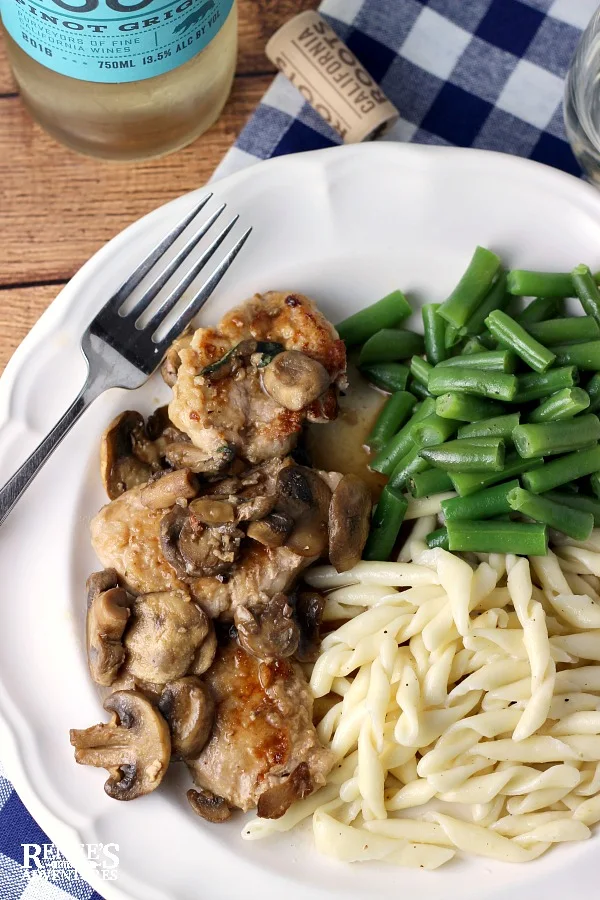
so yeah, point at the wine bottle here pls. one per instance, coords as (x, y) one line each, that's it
(122, 79)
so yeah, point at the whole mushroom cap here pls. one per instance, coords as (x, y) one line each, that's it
(166, 633)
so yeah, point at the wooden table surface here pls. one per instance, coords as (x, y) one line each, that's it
(57, 208)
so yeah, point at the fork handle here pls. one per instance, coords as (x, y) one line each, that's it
(20, 481)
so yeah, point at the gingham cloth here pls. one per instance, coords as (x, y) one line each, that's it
(471, 73)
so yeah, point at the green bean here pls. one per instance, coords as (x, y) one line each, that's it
(563, 405)
(387, 519)
(510, 334)
(471, 289)
(572, 522)
(592, 389)
(420, 370)
(474, 345)
(466, 408)
(495, 385)
(387, 376)
(587, 291)
(550, 438)
(391, 454)
(496, 298)
(434, 332)
(484, 504)
(493, 360)
(387, 312)
(418, 389)
(431, 481)
(594, 484)
(466, 483)
(499, 426)
(479, 455)
(535, 385)
(410, 464)
(433, 430)
(574, 330)
(562, 470)
(525, 283)
(539, 310)
(452, 337)
(394, 413)
(577, 501)
(390, 345)
(489, 536)
(585, 356)
(438, 538)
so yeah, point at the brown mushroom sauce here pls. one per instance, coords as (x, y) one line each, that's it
(201, 511)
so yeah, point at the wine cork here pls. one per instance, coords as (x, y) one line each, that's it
(317, 62)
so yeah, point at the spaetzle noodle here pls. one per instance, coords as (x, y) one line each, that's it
(456, 682)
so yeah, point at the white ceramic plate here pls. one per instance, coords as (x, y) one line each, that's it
(344, 226)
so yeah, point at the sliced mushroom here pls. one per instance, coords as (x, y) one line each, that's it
(349, 522)
(101, 581)
(135, 746)
(121, 469)
(206, 652)
(165, 634)
(304, 497)
(107, 616)
(272, 531)
(172, 360)
(295, 380)
(255, 490)
(170, 530)
(267, 630)
(162, 433)
(213, 511)
(165, 491)
(189, 708)
(195, 549)
(256, 508)
(308, 612)
(301, 490)
(208, 806)
(209, 550)
(183, 455)
(277, 800)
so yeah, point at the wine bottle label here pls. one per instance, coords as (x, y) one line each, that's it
(113, 41)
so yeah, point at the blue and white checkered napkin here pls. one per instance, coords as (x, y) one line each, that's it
(471, 73)
(466, 73)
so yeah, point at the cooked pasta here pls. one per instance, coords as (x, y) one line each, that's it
(463, 705)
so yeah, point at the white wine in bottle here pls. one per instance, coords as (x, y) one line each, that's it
(123, 79)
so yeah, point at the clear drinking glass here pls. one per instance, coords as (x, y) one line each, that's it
(582, 101)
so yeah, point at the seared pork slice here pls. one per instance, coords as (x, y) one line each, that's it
(259, 574)
(223, 394)
(263, 734)
(126, 537)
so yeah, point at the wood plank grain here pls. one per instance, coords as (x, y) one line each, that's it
(20, 308)
(7, 82)
(58, 208)
(258, 19)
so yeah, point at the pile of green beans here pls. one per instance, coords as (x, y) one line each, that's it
(500, 405)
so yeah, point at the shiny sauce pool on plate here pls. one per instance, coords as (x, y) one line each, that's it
(340, 446)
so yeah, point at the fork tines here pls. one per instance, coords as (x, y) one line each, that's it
(139, 342)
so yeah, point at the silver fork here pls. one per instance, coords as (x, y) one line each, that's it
(121, 353)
